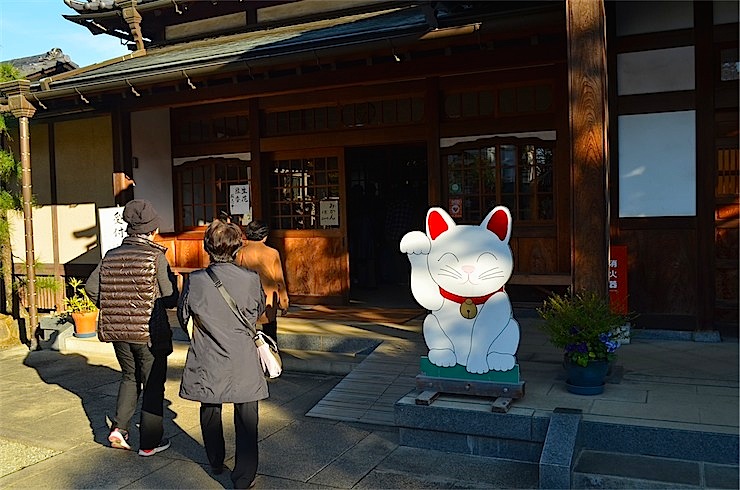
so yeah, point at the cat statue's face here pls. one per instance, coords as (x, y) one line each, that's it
(470, 260)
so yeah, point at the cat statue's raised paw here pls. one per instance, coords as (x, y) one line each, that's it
(458, 272)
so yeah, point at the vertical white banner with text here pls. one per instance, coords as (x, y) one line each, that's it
(112, 228)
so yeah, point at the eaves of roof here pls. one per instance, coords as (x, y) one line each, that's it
(252, 49)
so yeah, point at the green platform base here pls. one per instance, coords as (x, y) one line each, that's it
(459, 372)
(457, 380)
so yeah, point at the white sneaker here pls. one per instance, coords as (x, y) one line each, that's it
(118, 439)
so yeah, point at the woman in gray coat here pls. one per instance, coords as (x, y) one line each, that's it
(222, 364)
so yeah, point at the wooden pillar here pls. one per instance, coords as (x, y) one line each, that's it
(706, 165)
(123, 182)
(23, 110)
(259, 180)
(587, 88)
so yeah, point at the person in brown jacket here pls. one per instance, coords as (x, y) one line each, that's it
(265, 260)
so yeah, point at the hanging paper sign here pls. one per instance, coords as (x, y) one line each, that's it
(239, 199)
(329, 212)
(456, 208)
(112, 228)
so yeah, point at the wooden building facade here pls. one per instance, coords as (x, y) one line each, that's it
(596, 123)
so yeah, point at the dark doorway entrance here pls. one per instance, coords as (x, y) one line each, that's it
(387, 197)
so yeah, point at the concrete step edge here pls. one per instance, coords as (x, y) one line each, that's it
(602, 469)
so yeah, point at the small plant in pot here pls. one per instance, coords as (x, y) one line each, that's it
(585, 327)
(82, 309)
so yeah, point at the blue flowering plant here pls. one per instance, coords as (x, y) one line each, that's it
(583, 325)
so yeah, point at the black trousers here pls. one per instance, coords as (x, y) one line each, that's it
(142, 371)
(246, 455)
(270, 328)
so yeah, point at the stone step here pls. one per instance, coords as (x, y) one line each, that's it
(601, 469)
(298, 360)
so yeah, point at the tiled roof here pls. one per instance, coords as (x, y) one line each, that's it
(257, 45)
(95, 5)
(53, 61)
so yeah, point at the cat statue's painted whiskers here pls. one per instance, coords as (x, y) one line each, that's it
(458, 272)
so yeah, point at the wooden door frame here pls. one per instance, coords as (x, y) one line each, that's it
(278, 236)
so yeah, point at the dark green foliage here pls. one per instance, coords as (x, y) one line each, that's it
(583, 325)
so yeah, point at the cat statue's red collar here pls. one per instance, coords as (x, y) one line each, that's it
(468, 305)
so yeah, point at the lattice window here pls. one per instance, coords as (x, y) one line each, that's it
(304, 192)
(203, 189)
(727, 172)
(516, 175)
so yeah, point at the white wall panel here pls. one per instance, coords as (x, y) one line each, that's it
(659, 70)
(657, 164)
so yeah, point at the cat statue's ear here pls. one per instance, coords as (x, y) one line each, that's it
(499, 222)
(438, 221)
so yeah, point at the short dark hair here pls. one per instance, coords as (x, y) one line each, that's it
(256, 231)
(222, 240)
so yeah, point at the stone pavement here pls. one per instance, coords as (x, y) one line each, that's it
(334, 430)
(53, 434)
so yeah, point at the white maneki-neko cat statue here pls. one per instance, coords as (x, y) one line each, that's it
(458, 272)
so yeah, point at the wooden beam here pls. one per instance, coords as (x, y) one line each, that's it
(706, 167)
(588, 129)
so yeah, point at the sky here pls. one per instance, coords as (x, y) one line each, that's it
(33, 27)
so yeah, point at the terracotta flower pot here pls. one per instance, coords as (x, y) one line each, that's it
(86, 323)
(588, 380)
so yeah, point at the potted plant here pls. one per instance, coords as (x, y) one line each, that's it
(82, 309)
(585, 327)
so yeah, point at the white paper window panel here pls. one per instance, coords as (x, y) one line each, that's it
(657, 164)
(654, 16)
(726, 11)
(659, 70)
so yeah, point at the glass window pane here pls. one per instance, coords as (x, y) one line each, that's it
(404, 111)
(485, 104)
(187, 194)
(208, 197)
(389, 111)
(282, 123)
(506, 103)
(295, 121)
(469, 104)
(543, 98)
(199, 216)
(187, 216)
(525, 99)
(332, 118)
(730, 67)
(453, 108)
(219, 128)
(271, 124)
(308, 119)
(417, 109)
(320, 119)
(508, 168)
(509, 200)
(242, 125)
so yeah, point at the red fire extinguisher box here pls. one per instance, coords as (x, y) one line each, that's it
(618, 279)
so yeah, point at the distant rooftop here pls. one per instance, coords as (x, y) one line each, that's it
(38, 66)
